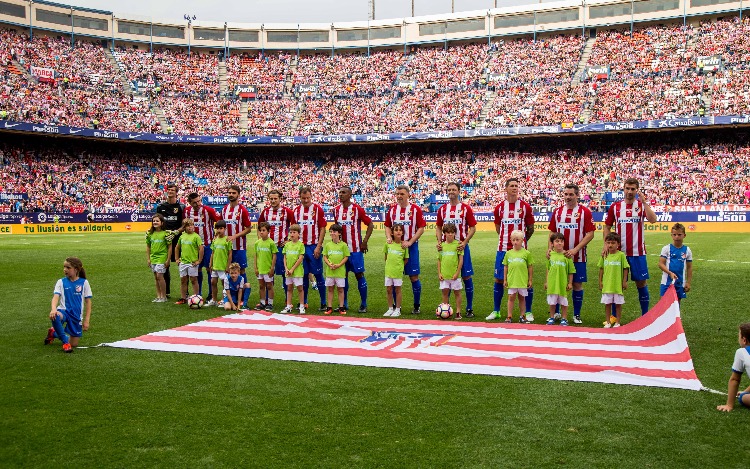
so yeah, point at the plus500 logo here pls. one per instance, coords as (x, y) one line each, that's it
(723, 217)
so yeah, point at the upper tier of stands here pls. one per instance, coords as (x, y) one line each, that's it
(515, 81)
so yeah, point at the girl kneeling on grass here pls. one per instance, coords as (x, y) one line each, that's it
(72, 295)
(741, 365)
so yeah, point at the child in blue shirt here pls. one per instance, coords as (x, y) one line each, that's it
(71, 299)
(676, 263)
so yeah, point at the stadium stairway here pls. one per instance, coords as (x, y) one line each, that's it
(394, 97)
(127, 88)
(223, 79)
(489, 98)
(22, 70)
(289, 77)
(301, 106)
(587, 48)
(243, 116)
(159, 113)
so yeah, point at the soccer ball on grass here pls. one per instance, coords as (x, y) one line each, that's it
(195, 302)
(444, 311)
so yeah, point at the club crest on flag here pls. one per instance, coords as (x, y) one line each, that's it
(417, 338)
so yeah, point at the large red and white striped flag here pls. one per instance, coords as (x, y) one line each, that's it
(650, 351)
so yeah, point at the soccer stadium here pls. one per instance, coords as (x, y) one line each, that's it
(310, 155)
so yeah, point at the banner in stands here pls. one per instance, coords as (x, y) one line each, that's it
(307, 89)
(245, 91)
(411, 84)
(710, 63)
(600, 72)
(45, 73)
(12, 197)
(495, 77)
(392, 137)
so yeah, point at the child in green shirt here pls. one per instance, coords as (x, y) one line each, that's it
(559, 282)
(158, 252)
(221, 259)
(335, 253)
(265, 262)
(189, 254)
(294, 252)
(449, 263)
(519, 272)
(613, 279)
(395, 259)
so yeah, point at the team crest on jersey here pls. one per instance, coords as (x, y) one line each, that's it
(577, 215)
(79, 289)
(636, 209)
(175, 209)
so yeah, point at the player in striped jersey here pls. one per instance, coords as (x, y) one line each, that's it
(575, 222)
(238, 226)
(627, 218)
(510, 215)
(459, 214)
(411, 218)
(350, 216)
(311, 218)
(280, 218)
(203, 218)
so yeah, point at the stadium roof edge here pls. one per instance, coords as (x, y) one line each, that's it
(73, 7)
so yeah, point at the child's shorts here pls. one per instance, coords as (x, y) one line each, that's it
(616, 298)
(335, 282)
(73, 324)
(521, 291)
(451, 284)
(188, 270)
(220, 274)
(680, 290)
(158, 268)
(393, 282)
(266, 278)
(296, 281)
(557, 300)
(740, 396)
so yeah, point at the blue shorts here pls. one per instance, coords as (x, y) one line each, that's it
(467, 269)
(580, 275)
(240, 256)
(280, 270)
(310, 263)
(739, 399)
(235, 298)
(355, 263)
(638, 268)
(206, 257)
(499, 268)
(412, 264)
(678, 289)
(73, 323)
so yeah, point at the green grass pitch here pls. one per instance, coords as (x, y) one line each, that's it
(106, 407)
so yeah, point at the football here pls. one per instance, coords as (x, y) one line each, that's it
(195, 302)
(444, 311)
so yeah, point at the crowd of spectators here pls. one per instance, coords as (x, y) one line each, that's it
(71, 179)
(266, 72)
(337, 116)
(174, 72)
(201, 115)
(653, 75)
(349, 75)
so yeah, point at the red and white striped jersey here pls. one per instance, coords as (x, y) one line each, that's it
(628, 223)
(204, 219)
(460, 215)
(310, 219)
(280, 220)
(410, 217)
(573, 223)
(510, 217)
(350, 218)
(237, 218)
